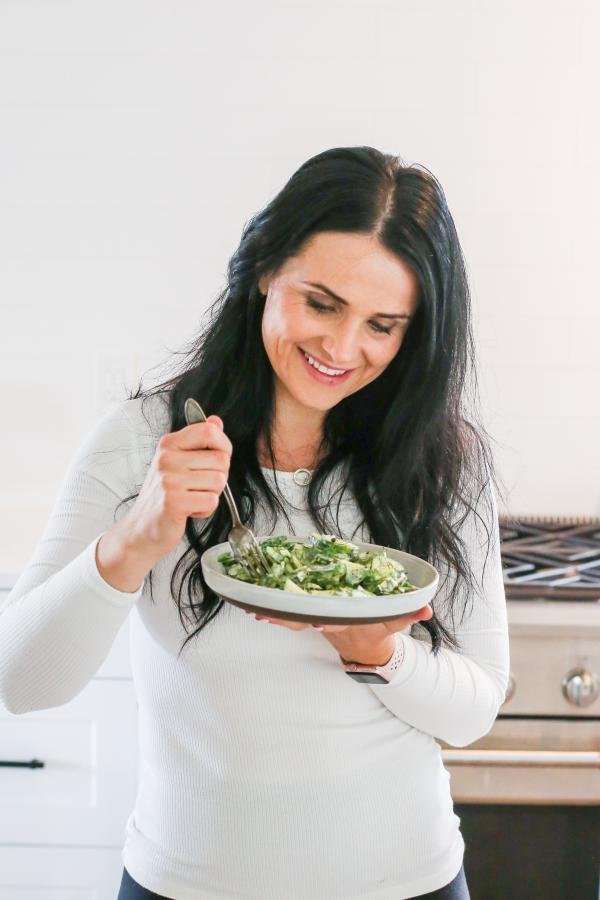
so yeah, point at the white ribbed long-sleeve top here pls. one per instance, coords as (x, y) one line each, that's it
(265, 772)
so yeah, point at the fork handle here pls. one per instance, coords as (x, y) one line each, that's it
(232, 506)
(194, 413)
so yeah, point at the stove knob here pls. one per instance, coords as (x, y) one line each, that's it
(580, 687)
(510, 690)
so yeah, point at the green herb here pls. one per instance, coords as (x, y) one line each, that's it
(324, 564)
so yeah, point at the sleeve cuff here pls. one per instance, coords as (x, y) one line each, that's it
(94, 580)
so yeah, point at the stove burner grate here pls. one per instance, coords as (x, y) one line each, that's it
(550, 558)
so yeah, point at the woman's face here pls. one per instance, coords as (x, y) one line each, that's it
(357, 334)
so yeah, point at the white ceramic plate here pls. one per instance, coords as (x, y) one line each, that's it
(323, 608)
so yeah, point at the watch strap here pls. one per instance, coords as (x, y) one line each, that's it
(387, 671)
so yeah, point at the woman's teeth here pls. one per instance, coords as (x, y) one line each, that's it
(324, 369)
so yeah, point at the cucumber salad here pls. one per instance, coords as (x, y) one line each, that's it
(324, 564)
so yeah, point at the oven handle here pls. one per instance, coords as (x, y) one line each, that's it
(580, 758)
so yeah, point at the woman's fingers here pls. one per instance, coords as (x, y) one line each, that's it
(297, 626)
(392, 625)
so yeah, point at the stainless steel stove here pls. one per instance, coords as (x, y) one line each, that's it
(528, 793)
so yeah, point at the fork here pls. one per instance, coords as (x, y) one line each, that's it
(242, 541)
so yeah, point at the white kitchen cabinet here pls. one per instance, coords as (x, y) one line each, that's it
(86, 788)
(58, 873)
(62, 826)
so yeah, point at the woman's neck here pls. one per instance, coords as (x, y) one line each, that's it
(296, 434)
(290, 455)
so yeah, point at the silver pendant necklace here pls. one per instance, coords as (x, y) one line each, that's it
(302, 477)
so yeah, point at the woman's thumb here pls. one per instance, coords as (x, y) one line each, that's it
(216, 420)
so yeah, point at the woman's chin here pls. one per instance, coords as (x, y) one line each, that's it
(317, 399)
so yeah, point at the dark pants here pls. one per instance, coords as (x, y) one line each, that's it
(456, 890)
(131, 890)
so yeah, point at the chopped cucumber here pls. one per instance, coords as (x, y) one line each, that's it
(324, 564)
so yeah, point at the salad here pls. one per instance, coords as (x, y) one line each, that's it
(324, 564)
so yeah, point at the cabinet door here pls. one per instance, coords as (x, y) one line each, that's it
(55, 873)
(86, 788)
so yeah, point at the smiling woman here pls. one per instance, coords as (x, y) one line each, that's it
(346, 342)
(342, 345)
(354, 267)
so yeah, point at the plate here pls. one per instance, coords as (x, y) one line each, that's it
(324, 609)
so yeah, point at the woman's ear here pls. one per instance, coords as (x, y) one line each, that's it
(263, 285)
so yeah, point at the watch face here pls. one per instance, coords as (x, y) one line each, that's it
(369, 677)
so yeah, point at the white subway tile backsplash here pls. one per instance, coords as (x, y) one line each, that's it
(98, 232)
(506, 289)
(518, 237)
(522, 89)
(564, 346)
(132, 153)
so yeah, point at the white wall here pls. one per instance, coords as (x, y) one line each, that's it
(136, 138)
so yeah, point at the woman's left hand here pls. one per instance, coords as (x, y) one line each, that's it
(371, 644)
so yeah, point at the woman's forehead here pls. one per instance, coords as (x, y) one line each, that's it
(357, 269)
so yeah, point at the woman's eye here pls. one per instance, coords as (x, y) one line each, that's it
(319, 307)
(323, 308)
(380, 329)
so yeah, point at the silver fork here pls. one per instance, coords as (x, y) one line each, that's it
(244, 545)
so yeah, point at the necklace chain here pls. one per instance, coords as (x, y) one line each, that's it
(302, 474)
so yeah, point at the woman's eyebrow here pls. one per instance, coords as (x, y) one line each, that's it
(326, 290)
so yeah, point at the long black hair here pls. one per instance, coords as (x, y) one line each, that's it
(413, 454)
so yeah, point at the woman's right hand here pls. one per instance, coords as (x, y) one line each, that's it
(186, 478)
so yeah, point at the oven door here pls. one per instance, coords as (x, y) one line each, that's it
(529, 760)
(528, 797)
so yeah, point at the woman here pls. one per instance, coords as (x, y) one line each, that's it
(341, 346)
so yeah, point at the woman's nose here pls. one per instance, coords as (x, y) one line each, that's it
(342, 345)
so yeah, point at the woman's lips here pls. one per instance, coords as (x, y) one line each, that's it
(321, 376)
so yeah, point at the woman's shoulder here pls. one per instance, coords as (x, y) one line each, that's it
(149, 415)
(123, 440)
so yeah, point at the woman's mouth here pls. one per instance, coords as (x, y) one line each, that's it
(331, 376)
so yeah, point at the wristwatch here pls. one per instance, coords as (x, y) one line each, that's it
(376, 674)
